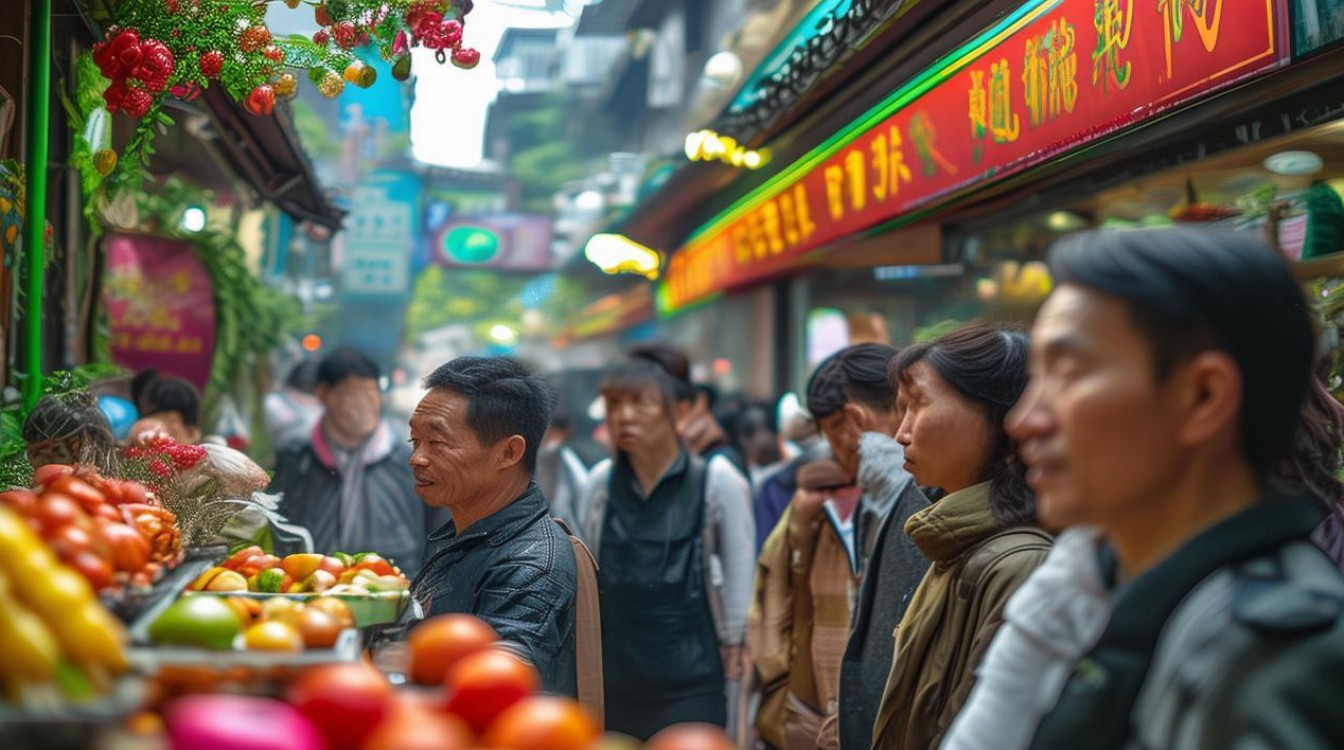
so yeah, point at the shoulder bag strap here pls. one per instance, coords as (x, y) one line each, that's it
(587, 630)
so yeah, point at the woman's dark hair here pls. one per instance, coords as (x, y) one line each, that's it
(1191, 290)
(174, 394)
(988, 365)
(854, 374)
(74, 418)
(1318, 456)
(652, 365)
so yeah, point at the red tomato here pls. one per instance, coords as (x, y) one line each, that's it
(45, 474)
(332, 565)
(94, 568)
(82, 492)
(440, 642)
(690, 737)
(345, 701)
(130, 551)
(375, 563)
(237, 559)
(543, 723)
(69, 541)
(409, 727)
(55, 510)
(107, 513)
(484, 685)
(23, 502)
(319, 629)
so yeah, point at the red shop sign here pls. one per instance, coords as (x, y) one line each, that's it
(160, 305)
(1052, 76)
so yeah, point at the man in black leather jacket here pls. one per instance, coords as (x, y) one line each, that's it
(475, 437)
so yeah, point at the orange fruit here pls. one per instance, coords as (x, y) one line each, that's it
(542, 723)
(441, 642)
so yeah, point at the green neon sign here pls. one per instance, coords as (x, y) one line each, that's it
(471, 245)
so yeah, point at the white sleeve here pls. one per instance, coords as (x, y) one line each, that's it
(730, 496)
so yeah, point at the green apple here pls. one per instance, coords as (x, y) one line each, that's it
(197, 621)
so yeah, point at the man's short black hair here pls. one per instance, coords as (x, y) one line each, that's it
(173, 394)
(346, 362)
(854, 374)
(504, 398)
(1191, 290)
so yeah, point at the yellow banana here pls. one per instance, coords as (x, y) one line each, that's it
(93, 639)
(31, 652)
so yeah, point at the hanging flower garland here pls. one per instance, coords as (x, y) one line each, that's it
(175, 48)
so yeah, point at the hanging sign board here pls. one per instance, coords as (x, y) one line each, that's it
(161, 306)
(1050, 77)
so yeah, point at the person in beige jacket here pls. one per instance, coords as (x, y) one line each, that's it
(981, 537)
(806, 581)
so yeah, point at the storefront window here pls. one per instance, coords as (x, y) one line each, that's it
(1289, 190)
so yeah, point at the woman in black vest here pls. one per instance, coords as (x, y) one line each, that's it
(660, 520)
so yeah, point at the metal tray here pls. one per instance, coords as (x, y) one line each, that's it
(150, 659)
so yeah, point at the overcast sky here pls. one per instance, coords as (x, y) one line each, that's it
(448, 117)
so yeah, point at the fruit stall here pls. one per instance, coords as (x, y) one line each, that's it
(159, 601)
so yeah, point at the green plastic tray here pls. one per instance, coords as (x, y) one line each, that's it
(369, 609)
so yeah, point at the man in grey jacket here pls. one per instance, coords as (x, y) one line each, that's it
(854, 403)
(1168, 375)
(349, 483)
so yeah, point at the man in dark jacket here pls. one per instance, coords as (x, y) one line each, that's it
(1168, 375)
(475, 438)
(349, 482)
(854, 403)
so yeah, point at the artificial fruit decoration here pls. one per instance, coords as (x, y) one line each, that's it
(331, 85)
(286, 85)
(466, 58)
(401, 69)
(105, 160)
(254, 38)
(211, 63)
(261, 101)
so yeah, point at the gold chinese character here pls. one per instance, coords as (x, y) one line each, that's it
(979, 105)
(1113, 27)
(889, 164)
(1206, 27)
(1063, 69)
(1049, 75)
(835, 191)
(1003, 122)
(858, 180)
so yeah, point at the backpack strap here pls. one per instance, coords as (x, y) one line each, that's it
(710, 560)
(587, 630)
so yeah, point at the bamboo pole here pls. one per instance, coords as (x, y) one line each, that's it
(38, 102)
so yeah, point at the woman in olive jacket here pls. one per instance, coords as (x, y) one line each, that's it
(981, 537)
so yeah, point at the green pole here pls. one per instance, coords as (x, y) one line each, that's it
(35, 219)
